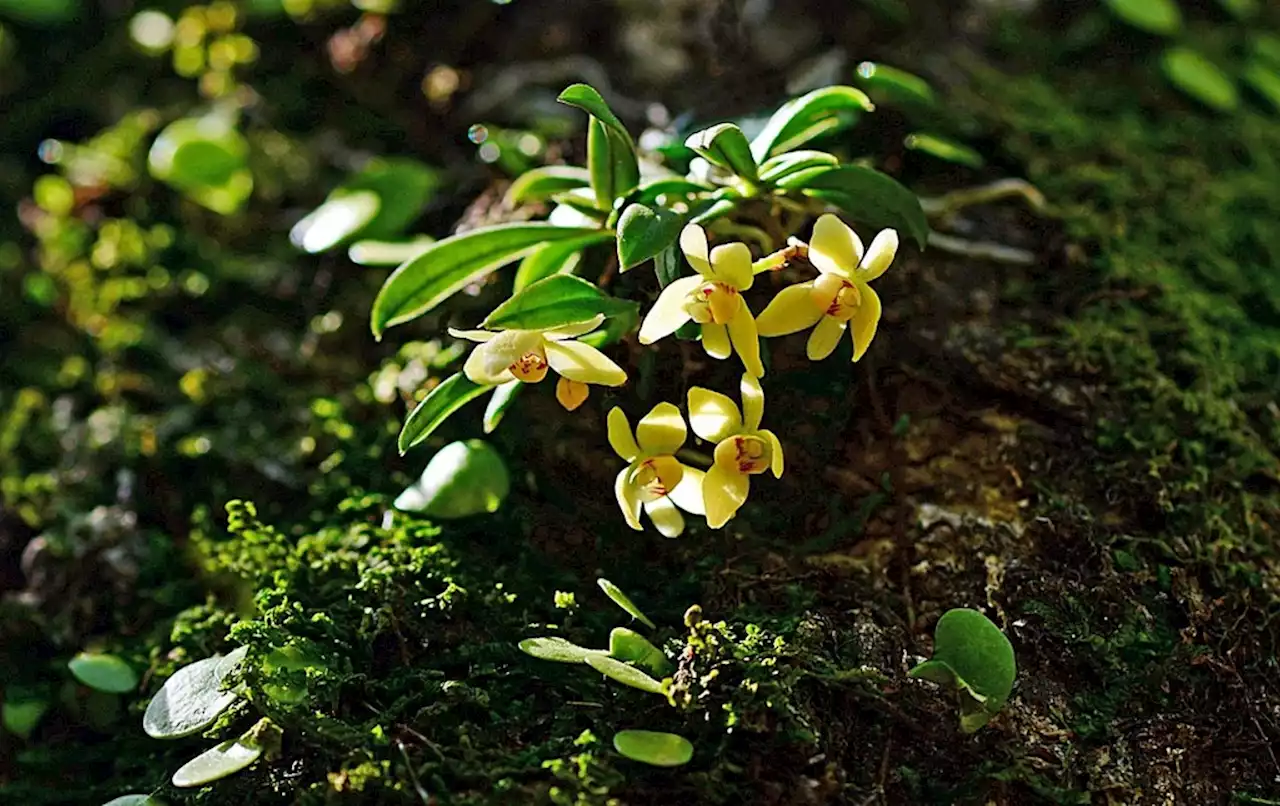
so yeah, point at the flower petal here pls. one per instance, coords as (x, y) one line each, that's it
(489, 362)
(688, 493)
(693, 242)
(628, 499)
(752, 402)
(775, 446)
(575, 329)
(790, 311)
(724, 492)
(662, 431)
(472, 335)
(712, 415)
(668, 313)
(865, 320)
(665, 516)
(742, 332)
(731, 265)
(824, 338)
(878, 257)
(620, 438)
(834, 248)
(715, 340)
(571, 394)
(581, 362)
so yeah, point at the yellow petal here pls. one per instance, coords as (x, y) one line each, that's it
(731, 265)
(662, 431)
(665, 516)
(575, 329)
(688, 493)
(472, 335)
(620, 435)
(489, 362)
(715, 340)
(693, 242)
(571, 394)
(752, 402)
(742, 332)
(712, 415)
(864, 321)
(791, 310)
(879, 255)
(584, 363)
(775, 446)
(668, 312)
(628, 499)
(824, 338)
(723, 493)
(834, 248)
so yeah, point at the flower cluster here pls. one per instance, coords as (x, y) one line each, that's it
(656, 481)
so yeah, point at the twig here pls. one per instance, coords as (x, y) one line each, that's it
(981, 250)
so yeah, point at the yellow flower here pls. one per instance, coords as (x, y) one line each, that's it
(655, 480)
(743, 449)
(840, 297)
(526, 355)
(712, 298)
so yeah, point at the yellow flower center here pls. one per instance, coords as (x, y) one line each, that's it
(530, 367)
(712, 303)
(744, 453)
(657, 476)
(836, 297)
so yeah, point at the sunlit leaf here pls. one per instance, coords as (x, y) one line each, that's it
(557, 649)
(1200, 78)
(944, 148)
(802, 119)
(632, 647)
(499, 402)
(206, 159)
(622, 600)
(1265, 81)
(775, 168)
(447, 266)
(103, 672)
(895, 87)
(134, 800)
(866, 196)
(447, 397)
(463, 479)
(387, 253)
(558, 300)
(725, 145)
(559, 257)
(645, 231)
(653, 747)
(229, 757)
(972, 655)
(586, 98)
(542, 183)
(650, 192)
(1241, 9)
(21, 716)
(335, 221)
(192, 698)
(1160, 17)
(624, 674)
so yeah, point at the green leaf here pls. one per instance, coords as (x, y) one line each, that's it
(557, 649)
(971, 654)
(501, 400)
(20, 716)
(193, 698)
(775, 168)
(1241, 9)
(649, 192)
(559, 300)
(134, 800)
(624, 674)
(452, 394)
(103, 672)
(645, 231)
(387, 253)
(1159, 17)
(206, 159)
(586, 98)
(653, 747)
(50, 13)
(725, 145)
(335, 221)
(611, 162)
(865, 195)
(447, 266)
(543, 183)
(583, 202)
(894, 87)
(560, 257)
(463, 479)
(378, 201)
(229, 757)
(1266, 47)
(1200, 78)
(1264, 81)
(943, 148)
(802, 119)
(630, 646)
(622, 600)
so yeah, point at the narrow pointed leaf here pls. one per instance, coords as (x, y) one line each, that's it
(557, 649)
(387, 253)
(944, 148)
(775, 168)
(586, 98)
(1160, 17)
(1265, 82)
(452, 394)
(337, 220)
(895, 87)
(1200, 78)
(543, 183)
(725, 145)
(558, 257)
(865, 195)
(622, 600)
(645, 231)
(600, 163)
(624, 674)
(561, 299)
(802, 119)
(502, 399)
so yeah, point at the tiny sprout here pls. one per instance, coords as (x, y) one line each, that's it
(566, 600)
(693, 616)
(972, 656)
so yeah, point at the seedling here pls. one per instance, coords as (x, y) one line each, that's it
(972, 656)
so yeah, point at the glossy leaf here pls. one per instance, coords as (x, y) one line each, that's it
(338, 219)
(624, 674)
(502, 398)
(543, 183)
(559, 257)
(463, 479)
(895, 87)
(193, 698)
(600, 164)
(206, 159)
(556, 301)
(775, 168)
(1200, 78)
(943, 148)
(726, 146)
(630, 646)
(557, 649)
(1265, 81)
(653, 747)
(387, 253)
(802, 119)
(650, 192)
(378, 201)
(1160, 17)
(450, 395)
(586, 98)
(866, 196)
(447, 266)
(622, 600)
(645, 231)
(103, 672)
(229, 757)
(972, 655)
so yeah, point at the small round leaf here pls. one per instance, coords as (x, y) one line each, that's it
(217, 762)
(557, 649)
(653, 747)
(624, 674)
(464, 478)
(192, 698)
(103, 672)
